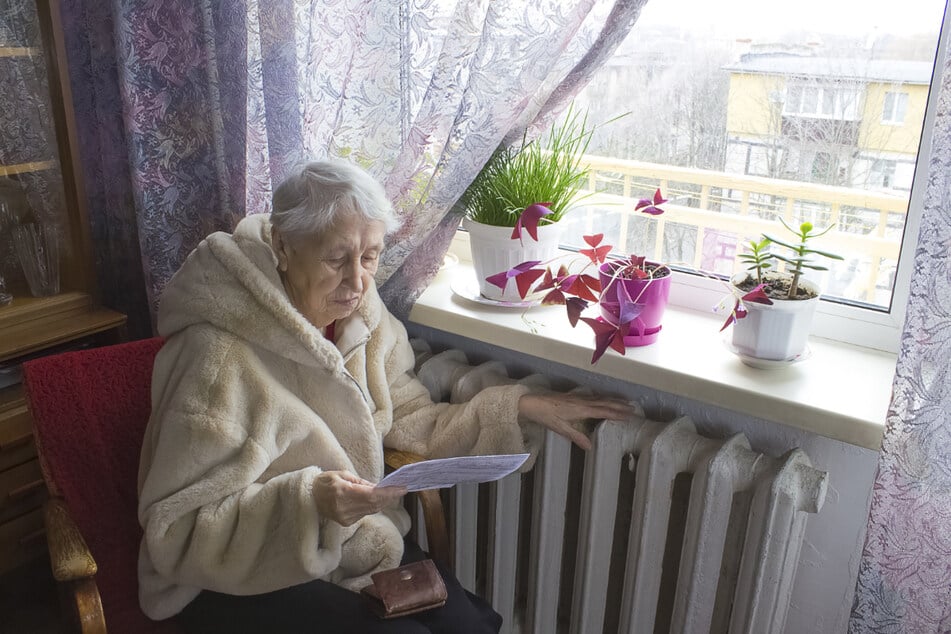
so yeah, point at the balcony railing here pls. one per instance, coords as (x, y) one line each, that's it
(714, 213)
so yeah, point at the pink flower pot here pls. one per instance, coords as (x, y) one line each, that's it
(651, 294)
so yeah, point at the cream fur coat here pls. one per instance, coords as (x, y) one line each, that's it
(250, 403)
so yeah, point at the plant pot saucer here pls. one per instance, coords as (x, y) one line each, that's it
(767, 364)
(467, 287)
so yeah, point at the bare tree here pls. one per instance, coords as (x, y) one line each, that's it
(676, 100)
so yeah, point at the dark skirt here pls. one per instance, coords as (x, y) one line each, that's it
(319, 606)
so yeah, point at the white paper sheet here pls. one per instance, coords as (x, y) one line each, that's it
(446, 472)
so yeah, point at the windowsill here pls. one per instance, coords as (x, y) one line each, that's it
(842, 392)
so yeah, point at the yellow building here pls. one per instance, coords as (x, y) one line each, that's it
(849, 122)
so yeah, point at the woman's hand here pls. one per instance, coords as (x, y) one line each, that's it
(563, 412)
(344, 498)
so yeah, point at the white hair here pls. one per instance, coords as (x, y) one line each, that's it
(309, 200)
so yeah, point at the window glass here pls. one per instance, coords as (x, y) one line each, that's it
(745, 112)
(810, 100)
(828, 101)
(793, 99)
(896, 104)
(882, 173)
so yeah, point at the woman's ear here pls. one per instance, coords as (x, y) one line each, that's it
(280, 248)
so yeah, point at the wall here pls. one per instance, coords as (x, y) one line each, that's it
(750, 112)
(881, 137)
(832, 548)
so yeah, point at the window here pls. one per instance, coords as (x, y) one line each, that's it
(883, 173)
(761, 117)
(810, 100)
(896, 104)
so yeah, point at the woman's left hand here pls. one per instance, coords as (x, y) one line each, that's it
(562, 412)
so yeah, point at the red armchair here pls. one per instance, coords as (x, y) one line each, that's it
(90, 409)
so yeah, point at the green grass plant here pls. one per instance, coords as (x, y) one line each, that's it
(545, 170)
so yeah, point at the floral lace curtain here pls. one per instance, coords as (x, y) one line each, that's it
(904, 582)
(189, 112)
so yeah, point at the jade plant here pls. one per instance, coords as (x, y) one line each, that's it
(801, 253)
(759, 259)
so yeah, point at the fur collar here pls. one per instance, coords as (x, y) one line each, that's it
(230, 281)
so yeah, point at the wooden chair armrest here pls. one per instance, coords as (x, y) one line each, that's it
(69, 556)
(75, 569)
(434, 515)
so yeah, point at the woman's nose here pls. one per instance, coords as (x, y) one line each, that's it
(354, 275)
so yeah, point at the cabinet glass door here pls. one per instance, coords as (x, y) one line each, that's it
(35, 230)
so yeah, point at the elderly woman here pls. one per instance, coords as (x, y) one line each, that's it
(282, 378)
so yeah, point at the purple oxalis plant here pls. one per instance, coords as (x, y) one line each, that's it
(757, 295)
(577, 290)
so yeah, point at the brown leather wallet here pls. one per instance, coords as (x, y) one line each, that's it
(409, 589)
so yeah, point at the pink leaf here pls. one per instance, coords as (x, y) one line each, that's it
(528, 220)
(580, 288)
(758, 295)
(596, 255)
(651, 206)
(731, 317)
(617, 341)
(630, 311)
(575, 306)
(604, 334)
(525, 280)
(593, 240)
(554, 297)
(738, 312)
(501, 279)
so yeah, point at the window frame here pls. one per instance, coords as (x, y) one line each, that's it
(899, 106)
(867, 327)
(843, 97)
(871, 326)
(883, 171)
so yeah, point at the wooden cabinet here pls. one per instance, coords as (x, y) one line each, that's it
(22, 491)
(48, 299)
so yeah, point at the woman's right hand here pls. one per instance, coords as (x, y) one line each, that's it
(344, 497)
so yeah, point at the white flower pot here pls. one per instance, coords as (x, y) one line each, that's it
(777, 332)
(494, 251)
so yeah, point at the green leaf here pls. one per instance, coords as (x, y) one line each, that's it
(784, 244)
(823, 232)
(786, 259)
(825, 254)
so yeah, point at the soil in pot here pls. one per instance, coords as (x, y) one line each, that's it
(776, 286)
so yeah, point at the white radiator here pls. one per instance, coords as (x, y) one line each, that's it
(657, 529)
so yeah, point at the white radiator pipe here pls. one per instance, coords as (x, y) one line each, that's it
(548, 534)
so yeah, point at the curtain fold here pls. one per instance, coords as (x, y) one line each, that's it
(553, 93)
(904, 581)
(189, 112)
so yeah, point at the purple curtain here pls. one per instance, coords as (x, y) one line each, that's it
(904, 582)
(189, 111)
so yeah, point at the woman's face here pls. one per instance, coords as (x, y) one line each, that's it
(326, 277)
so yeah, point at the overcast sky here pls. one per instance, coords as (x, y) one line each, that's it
(763, 18)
